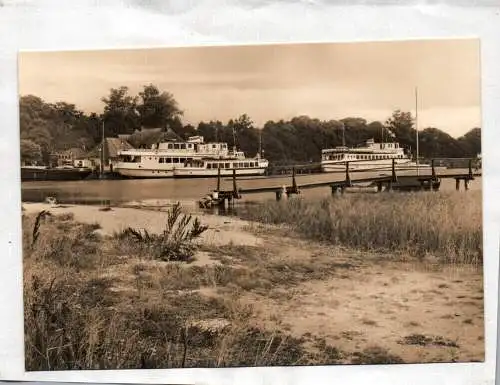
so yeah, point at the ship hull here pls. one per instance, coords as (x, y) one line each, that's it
(370, 166)
(63, 174)
(213, 173)
(144, 173)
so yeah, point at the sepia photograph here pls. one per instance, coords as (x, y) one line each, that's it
(252, 205)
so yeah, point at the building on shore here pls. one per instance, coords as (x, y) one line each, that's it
(108, 154)
(67, 157)
(149, 137)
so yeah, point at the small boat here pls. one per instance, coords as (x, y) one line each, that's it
(370, 156)
(212, 167)
(60, 173)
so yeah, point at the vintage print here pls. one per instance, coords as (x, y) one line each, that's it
(260, 205)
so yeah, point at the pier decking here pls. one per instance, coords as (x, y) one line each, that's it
(388, 179)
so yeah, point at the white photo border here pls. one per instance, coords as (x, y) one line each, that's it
(77, 25)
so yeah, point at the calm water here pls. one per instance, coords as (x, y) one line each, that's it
(122, 191)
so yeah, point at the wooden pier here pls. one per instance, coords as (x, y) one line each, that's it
(398, 180)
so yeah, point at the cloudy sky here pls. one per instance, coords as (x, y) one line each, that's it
(327, 81)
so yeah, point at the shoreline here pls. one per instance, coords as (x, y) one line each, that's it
(222, 230)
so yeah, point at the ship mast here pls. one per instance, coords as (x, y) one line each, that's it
(102, 150)
(234, 140)
(343, 134)
(259, 153)
(416, 126)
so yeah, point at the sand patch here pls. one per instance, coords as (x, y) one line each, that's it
(221, 230)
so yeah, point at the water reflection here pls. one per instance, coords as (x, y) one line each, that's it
(118, 192)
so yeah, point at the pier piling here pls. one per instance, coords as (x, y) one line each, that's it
(394, 176)
(218, 178)
(347, 175)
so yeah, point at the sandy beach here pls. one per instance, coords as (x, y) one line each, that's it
(221, 231)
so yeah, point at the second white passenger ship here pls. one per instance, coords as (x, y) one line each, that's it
(370, 156)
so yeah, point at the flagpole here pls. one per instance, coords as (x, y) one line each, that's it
(416, 126)
(102, 150)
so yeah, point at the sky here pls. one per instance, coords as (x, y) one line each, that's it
(273, 82)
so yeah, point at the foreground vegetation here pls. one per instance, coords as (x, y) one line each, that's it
(140, 300)
(447, 225)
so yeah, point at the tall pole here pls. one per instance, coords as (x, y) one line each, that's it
(416, 126)
(234, 140)
(343, 134)
(259, 154)
(102, 150)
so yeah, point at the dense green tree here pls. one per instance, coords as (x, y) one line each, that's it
(31, 152)
(470, 143)
(120, 112)
(158, 109)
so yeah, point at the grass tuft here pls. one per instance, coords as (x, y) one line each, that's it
(176, 241)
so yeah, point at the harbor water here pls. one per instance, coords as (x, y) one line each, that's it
(118, 192)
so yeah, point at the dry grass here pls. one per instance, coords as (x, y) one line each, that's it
(89, 306)
(447, 225)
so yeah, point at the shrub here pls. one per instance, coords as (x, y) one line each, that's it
(176, 241)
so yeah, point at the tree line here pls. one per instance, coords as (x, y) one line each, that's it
(48, 127)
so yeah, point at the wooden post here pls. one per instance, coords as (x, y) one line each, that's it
(470, 169)
(235, 187)
(218, 177)
(278, 195)
(433, 170)
(457, 184)
(394, 176)
(294, 182)
(347, 176)
(379, 186)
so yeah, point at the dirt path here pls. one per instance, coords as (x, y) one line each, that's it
(417, 311)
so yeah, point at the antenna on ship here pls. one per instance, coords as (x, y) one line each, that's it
(259, 153)
(234, 140)
(416, 125)
(343, 134)
(102, 150)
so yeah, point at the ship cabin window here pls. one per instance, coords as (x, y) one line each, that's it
(183, 146)
(175, 160)
(170, 146)
(182, 160)
(214, 146)
(228, 165)
(130, 158)
(190, 145)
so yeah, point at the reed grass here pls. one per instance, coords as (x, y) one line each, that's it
(447, 225)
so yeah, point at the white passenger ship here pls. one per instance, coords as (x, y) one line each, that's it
(370, 156)
(164, 158)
